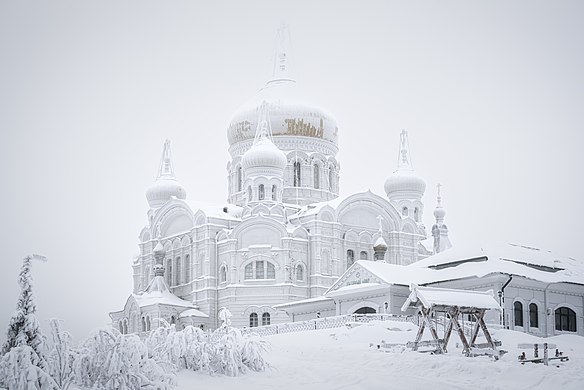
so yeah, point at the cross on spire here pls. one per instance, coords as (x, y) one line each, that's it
(438, 197)
(166, 168)
(404, 160)
(282, 51)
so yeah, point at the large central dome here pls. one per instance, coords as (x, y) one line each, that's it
(290, 115)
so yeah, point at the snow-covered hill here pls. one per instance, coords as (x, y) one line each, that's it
(343, 359)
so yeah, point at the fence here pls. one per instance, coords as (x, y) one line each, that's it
(326, 323)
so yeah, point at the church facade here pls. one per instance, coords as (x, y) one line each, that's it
(284, 233)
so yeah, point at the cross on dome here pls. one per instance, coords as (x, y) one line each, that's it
(282, 51)
(166, 168)
(404, 160)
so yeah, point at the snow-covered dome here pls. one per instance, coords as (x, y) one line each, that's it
(290, 115)
(380, 243)
(439, 213)
(404, 181)
(162, 190)
(264, 154)
(166, 185)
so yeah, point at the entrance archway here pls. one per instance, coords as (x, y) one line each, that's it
(365, 310)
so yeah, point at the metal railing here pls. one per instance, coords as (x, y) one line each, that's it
(326, 323)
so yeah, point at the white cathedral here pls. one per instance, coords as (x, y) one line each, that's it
(285, 244)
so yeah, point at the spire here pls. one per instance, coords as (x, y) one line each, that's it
(282, 53)
(166, 168)
(264, 129)
(439, 211)
(440, 230)
(404, 162)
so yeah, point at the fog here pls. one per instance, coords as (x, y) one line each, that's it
(491, 93)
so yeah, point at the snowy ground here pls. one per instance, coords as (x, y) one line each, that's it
(342, 359)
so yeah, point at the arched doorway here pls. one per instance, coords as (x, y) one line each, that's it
(365, 310)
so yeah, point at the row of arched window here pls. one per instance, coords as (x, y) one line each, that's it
(406, 212)
(262, 193)
(254, 319)
(176, 272)
(260, 270)
(363, 255)
(565, 318)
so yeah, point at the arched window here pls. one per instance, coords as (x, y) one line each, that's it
(178, 276)
(405, 211)
(143, 324)
(188, 268)
(533, 316)
(125, 326)
(274, 189)
(222, 275)
(261, 192)
(239, 179)
(316, 176)
(297, 174)
(249, 271)
(169, 272)
(148, 323)
(363, 255)
(518, 313)
(172, 320)
(253, 320)
(330, 179)
(350, 257)
(121, 325)
(271, 271)
(249, 194)
(565, 319)
(416, 216)
(265, 319)
(299, 272)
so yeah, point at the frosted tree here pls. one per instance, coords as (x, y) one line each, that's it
(19, 369)
(24, 329)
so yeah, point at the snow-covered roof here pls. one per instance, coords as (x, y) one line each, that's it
(431, 297)
(320, 299)
(193, 313)
(157, 292)
(533, 263)
(218, 210)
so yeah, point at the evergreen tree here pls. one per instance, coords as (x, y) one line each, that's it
(24, 329)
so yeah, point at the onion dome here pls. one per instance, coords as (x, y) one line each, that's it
(158, 250)
(380, 243)
(264, 153)
(166, 185)
(439, 212)
(290, 114)
(404, 180)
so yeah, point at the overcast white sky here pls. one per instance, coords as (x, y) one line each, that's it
(492, 94)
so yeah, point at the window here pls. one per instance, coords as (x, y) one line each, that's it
(297, 174)
(260, 270)
(188, 268)
(239, 179)
(405, 211)
(249, 271)
(299, 273)
(518, 313)
(316, 176)
(249, 194)
(274, 192)
(533, 316)
(416, 216)
(261, 192)
(331, 179)
(143, 324)
(169, 272)
(253, 320)
(148, 324)
(350, 257)
(363, 255)
(178, 276)
(565, 319)
(265, 319)
(222, 275)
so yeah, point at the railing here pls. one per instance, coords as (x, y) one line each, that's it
(326, 323)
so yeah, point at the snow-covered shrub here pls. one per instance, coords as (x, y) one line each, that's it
(19, 370)
(110, 360)
(61, 356)
(24, 329)
(225, 351)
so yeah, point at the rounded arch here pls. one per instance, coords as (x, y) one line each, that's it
(363, 209)
(145, 236)
(352, 309)
(518, 312)
(566, 317)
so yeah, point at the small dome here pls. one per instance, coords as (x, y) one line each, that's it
(159, 249)
(439, 213)
(380, 243)
(404, 181)
(162, 190)
(264, 154)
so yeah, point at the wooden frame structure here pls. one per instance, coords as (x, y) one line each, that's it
(431, 301)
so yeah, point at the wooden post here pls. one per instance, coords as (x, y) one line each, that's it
(447, 333)
(420, 331)
(475, 331)
(454, 315)
(545, 353)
